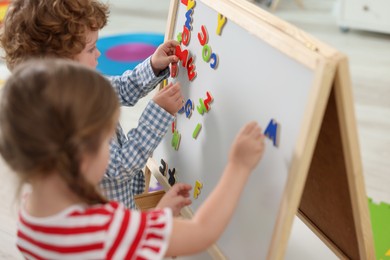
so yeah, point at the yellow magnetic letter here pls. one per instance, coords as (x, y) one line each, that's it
(190, 4)
(221, 23)
(197, 188)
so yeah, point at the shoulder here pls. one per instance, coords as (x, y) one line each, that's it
(78, 229)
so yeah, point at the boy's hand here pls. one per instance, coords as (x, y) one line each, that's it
(176, 198)
(248, 147)
(170, 98)
(163, 56)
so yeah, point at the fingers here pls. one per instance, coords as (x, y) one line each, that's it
(175, 89)
(181, 187)
(179, 197)
(182, 201)
(165, 61)
(256, 131)
(252, 128)
(171, 44)
(170, 98)
(165, 89)
(177, 203)
(164, 55)
(171, 88)
(176, 95)
(246, 129)
(169, 47)
(173, 59)
(187, 202)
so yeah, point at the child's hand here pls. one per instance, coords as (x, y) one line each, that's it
(176, 198)
(170, 98)
(163, 56)
(248, 147)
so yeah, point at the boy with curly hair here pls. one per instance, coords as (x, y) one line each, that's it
(69, 29)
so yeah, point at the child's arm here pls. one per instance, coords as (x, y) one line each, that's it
(137, 83)
(190, 236)
(129, 155)
(134, 84)
(138, 183)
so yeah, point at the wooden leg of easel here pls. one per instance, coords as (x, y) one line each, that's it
(148, 200)
(147, 179)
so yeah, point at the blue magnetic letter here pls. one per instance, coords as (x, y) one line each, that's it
(272, 132)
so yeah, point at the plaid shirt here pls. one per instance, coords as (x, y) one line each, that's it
(129, 153)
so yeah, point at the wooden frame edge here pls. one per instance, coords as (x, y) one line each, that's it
(300, 164)
(354, 167)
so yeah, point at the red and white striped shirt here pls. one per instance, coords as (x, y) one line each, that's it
(107, 231)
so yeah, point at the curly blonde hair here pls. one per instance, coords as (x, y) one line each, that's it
(57, 28)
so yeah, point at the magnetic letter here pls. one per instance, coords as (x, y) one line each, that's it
(197, 188)
(178, 37)
(188, 108)
(196, 131)
(272, 132)
(206, 53)
(174, 69)
(188, 22)
(208, 100)
(190, 4)
(176, 140)
(214, 59)
(182, 55)
(185, 36)
(191, 69)
(163, 168)
(174, 125)
(221, 23)
(172, 177)
(203, 36)
(202, 108)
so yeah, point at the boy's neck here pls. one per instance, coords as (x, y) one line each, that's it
(50, 195)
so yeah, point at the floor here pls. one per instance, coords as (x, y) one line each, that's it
(369, 62)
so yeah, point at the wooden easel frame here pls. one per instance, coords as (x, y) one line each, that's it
(325, 186)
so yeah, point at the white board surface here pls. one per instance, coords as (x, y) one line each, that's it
(253, 81)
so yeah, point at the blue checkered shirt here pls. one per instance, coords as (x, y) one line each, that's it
(128, 153)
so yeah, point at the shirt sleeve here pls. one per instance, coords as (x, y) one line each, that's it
(137, 83)
(139, 235)
(131, 154)
(138, 183)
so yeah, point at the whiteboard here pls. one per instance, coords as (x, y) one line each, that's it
(252, 81)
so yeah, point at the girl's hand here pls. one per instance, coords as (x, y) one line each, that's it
(163, 56)
(248, 147)
(176, 198)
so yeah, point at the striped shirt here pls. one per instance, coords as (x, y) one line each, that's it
(108, 231)
(129, 152)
